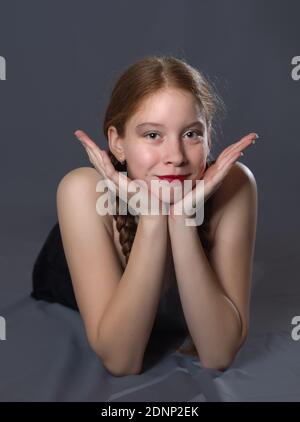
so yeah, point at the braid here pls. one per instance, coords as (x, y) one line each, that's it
(126, 224)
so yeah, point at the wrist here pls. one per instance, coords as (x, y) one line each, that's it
(153, 219)
(183, 221)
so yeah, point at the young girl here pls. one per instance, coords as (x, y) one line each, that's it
(159, 123)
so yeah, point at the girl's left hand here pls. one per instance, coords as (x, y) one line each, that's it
(213, 177)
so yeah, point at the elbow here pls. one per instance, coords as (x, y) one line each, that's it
(219, 366)
(116, 363)
(117, 367)
(220, 362)
(224, 362)
(121, 371)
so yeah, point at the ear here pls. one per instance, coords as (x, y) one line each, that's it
(115, 143)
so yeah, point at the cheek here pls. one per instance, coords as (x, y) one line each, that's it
(202, 168)
(198, 164)
(142, 161)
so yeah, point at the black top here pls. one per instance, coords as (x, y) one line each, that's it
(50, 276)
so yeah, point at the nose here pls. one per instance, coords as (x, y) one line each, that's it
(174, 153)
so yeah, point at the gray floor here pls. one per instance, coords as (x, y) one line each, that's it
(46, 357)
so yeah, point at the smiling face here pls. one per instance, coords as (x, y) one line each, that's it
(168, 135)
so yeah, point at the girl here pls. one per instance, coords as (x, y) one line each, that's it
(159, 123)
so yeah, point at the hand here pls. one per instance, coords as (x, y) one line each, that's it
(213, 177)
(118, 182)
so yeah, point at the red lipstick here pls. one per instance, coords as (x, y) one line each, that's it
(171, 177)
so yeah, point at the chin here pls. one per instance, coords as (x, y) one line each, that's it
(173, 196)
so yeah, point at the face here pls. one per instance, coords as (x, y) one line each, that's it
(167, 136)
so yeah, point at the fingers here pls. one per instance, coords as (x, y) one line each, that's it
(228, 161)
(83, 137)
(108, 166)
(102, 163)
(86, 141)
(122, 181)
(96, 160)
(240, 145)
(233, 152)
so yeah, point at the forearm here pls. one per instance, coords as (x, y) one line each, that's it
(212, 319)
(128, 320)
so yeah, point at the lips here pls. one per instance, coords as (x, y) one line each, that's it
(170, 177)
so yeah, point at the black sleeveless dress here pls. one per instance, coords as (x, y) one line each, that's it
(51, 280)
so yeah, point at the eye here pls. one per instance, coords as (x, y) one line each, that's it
(195, 132)
(150, 133)
(198, 133)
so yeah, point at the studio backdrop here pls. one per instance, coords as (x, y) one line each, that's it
(59, 61)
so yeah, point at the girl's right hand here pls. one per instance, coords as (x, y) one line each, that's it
(102, 163)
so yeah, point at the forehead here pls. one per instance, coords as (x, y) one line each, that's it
(166, 105)
(144, 125)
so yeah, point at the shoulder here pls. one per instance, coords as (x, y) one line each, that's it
(239, 182)
(78, 188)
(240, 172)
(76, 177)
(239, 176)
(235, 204)
(237, 192)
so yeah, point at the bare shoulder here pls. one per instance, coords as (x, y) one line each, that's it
(80, 175)
(240, 172)
(239, 180)
(78, 180)
(239, 176)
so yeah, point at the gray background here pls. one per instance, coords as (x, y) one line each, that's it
(62, 61)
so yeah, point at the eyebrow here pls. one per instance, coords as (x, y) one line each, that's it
(196, 123)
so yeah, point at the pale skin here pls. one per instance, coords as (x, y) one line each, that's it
(215, 295)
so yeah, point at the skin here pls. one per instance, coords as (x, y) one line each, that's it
(215, 297)
(151, 151)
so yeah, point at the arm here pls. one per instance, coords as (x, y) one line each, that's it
(127, 322)
(117, 307)
(215, 295)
